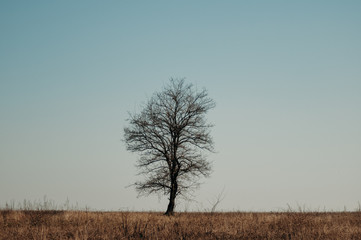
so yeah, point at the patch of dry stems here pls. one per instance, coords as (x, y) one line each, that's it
(51, 224)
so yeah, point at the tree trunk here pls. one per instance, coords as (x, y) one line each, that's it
(173, 194)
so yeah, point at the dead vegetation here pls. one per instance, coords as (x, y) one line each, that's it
(53, 224)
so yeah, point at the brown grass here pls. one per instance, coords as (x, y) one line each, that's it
(51, 224)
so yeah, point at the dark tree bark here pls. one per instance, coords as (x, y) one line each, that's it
(170, 134)
(173, 194)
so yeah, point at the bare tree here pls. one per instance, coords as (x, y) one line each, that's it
(216, 201)
(170, 133)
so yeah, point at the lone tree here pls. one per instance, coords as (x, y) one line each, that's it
(170, 133)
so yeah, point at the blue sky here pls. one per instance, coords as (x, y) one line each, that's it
(286, 78)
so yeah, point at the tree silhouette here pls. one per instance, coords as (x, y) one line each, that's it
(170, 133)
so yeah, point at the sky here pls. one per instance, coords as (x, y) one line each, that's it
(285, 75)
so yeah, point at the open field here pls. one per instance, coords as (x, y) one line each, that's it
(51, 224)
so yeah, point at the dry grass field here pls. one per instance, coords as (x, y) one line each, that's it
(51, 224)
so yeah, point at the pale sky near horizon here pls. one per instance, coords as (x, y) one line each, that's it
(286, 77)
